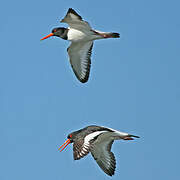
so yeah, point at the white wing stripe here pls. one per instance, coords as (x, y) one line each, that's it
(92, 136)
(119, 132)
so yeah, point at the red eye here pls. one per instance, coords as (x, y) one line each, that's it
(70, 135)
(55, 30)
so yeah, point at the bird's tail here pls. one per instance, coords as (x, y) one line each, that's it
(114, 35)
(106, 34)
(130, 137)
(111, 35)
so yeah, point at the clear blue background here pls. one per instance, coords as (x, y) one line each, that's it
(134, 86)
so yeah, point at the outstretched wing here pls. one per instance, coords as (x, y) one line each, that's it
(75, 21)
(101, 152)
(80, 59)
(80, 149)
(83, 145)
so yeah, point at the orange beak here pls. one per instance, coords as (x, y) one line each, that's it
(49, 35)
(64, 145)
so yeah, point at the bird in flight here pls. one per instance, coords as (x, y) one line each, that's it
(97, 140)
(81, 36)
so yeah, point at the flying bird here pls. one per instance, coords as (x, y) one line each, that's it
(81, 36)
(97, 140)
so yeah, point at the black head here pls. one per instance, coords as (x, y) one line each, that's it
(60, 32)
(72, 137)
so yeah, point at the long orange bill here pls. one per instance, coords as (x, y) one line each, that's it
(49, 35)
(64, 145)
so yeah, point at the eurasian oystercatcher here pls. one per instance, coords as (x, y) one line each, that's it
(81, 36)
(97, 140)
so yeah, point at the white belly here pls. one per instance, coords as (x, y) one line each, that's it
(76, 35)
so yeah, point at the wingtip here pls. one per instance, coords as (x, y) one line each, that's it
(83, 80)
(71, 10)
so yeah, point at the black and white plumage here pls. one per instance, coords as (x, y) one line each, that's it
(81, 36)
(98, 140)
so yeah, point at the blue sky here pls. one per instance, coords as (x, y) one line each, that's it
(134, 86)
